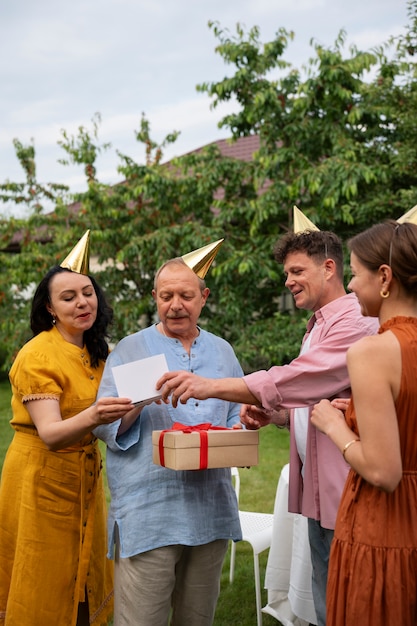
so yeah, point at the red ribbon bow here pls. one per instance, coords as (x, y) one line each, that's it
(201, 428)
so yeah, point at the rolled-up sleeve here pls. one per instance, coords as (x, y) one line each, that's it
(320, 372)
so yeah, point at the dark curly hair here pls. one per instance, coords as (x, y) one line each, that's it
(318, 244)
(95, 337)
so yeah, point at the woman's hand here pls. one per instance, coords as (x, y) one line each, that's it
(341, 403)
(59, 433)
(110, 409)
(325, 416)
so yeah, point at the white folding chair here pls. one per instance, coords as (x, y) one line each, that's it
(256, 530)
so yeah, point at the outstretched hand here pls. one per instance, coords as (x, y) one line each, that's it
(181, 386)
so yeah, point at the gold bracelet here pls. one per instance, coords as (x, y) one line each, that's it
(347, 446)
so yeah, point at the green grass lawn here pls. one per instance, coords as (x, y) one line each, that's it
(6, 433)
(236, 605)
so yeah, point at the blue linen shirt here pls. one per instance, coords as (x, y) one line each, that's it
(154, 506)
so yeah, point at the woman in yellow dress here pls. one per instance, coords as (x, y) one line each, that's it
(53, 565)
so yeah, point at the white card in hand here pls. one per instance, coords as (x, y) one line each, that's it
(136, 380)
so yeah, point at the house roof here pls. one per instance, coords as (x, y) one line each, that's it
(242, 148)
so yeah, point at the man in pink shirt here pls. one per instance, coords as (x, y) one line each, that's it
(284, 395)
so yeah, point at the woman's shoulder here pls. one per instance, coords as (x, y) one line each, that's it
(37, 360)
(38, 343)
(378, 346)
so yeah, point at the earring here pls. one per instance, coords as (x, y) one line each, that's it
(384, 294)
(53, 320)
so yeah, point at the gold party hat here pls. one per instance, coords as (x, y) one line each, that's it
(200, 260)
(409, 216)
(301, 222)
(78, 260)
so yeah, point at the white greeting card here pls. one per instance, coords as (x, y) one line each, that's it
(136, 380)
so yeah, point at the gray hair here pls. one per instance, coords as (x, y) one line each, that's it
(176, 261)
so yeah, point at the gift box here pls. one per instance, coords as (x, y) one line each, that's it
(204, 447)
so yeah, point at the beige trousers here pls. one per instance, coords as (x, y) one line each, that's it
(185, 579)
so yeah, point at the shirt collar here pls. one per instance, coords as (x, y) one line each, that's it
(328, 310)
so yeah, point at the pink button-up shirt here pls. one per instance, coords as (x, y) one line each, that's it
(319, 373)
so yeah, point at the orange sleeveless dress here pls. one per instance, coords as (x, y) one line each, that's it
(373, 561)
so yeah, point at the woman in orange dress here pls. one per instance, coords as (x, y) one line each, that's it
(53, 543)
(373, 560)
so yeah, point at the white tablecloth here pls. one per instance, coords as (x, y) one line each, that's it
(288, 572)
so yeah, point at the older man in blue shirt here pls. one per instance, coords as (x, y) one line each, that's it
(170, 528)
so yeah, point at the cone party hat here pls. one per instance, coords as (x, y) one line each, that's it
(200, 260)
(78, 260)
(301, 222)
(409, 216)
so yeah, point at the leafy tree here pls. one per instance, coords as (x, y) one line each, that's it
(337, 138)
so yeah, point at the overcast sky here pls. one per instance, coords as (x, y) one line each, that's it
(62, 61)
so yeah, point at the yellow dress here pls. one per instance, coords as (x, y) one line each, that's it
(52, 504)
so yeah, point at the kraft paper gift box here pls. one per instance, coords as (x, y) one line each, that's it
(201, 447)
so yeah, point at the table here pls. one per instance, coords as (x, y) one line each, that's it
(288, 572)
